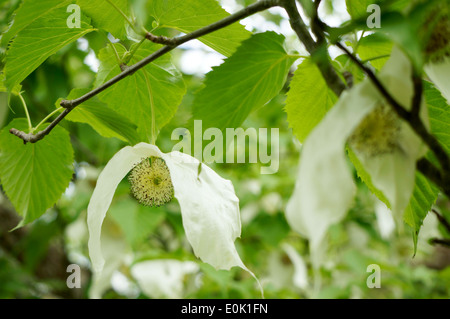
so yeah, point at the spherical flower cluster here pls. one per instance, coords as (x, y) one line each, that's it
(386, 147)
(150, 182)
(378, 132)
(208, 203)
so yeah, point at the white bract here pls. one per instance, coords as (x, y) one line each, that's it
(386, 146)
(209, 205)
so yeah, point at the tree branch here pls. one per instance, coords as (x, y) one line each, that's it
(400, 110)
(170, 44)
(442, 220)
(443, 242)
(433, 173)
(242, 14)
(317, 50)
(33, 138)
(440, 177)
(411, 117)
(418, 92)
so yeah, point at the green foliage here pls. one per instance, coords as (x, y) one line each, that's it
(189, 15)
(308, 99)
(248, 79)
(136, 221)
(27, 170)
(374, 48)
(156, 88)
(45, 187)
(37, 41)
(365, 177)
(28, 12)
(103, 119)
(358, 8)
(424, 196)
(439, 113)
(105, 15)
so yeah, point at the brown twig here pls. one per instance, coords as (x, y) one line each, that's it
(414, 121)
(317, 50)
(443, 242)
(442, 220)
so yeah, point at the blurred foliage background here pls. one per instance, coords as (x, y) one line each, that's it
(34, 259)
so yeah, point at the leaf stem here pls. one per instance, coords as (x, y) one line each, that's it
(152, 107)
(376, 58)
(317, 50)
(46, 118)
(24, 104)
(123, 15)
(134, 51)
(119, 60)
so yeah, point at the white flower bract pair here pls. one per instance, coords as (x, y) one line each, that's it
(325, 188)
(209, 205)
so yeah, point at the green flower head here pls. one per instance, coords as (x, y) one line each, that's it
(150, 182)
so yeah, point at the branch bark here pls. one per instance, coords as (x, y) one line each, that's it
(441, 177)
(442, 220)
(317, 50)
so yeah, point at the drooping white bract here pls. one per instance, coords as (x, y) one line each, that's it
(325, 189)
(209, 205)
(385, 221)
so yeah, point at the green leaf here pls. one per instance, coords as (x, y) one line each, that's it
(158, 85)
(36, 42)
(16, 89)
(250, 78)
(105, 15)
(439, 114)
(424, 196)
(27, 13)
(34, 176)
(373, 46)
(365, 177)
(189, 15)
(425, 193)
(358, 8)
(308, 99)
(3, 109)
(136, 221)
(404, 32)
(102, 119)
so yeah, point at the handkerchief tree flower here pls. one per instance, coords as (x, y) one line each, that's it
(209, 205)
(387, 147)
(380, 121)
